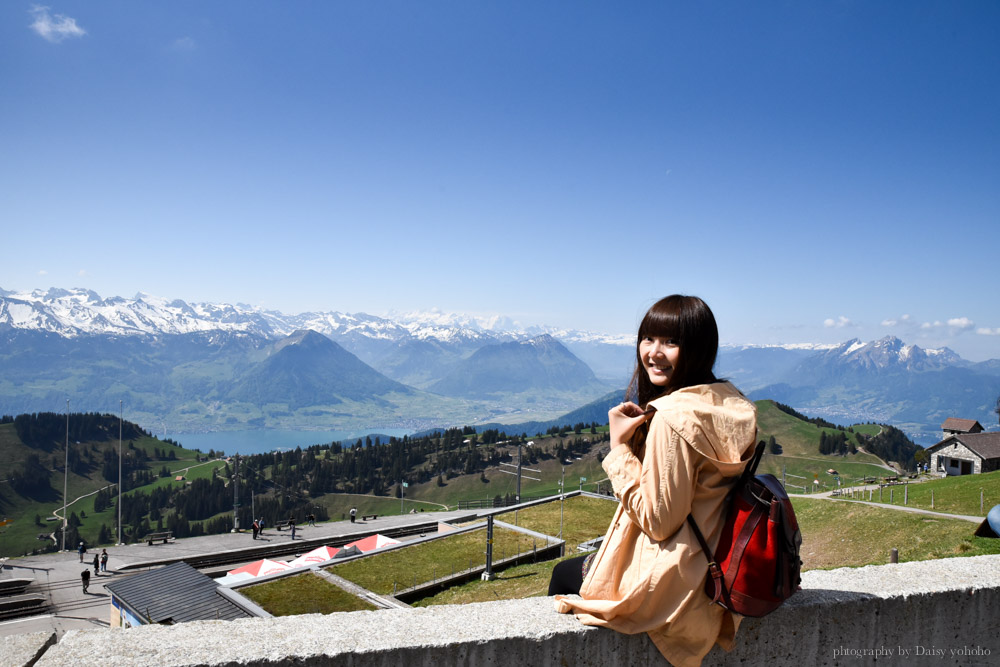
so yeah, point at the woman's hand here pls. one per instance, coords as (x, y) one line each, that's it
(623, 420)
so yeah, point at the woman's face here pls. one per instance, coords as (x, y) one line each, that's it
(658, 356)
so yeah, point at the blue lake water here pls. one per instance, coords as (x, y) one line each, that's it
(260, 441)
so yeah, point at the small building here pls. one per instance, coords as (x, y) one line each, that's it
(176, 593)
(954, 426)
(966, 453)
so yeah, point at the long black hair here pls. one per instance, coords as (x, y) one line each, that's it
(689, 322)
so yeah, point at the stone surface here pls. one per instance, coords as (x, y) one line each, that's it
(23, 650)
(926, 613)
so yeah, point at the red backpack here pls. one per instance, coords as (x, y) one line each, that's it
(756, 566)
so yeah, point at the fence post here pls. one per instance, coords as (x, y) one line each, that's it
(932, 498)
(894, 555)
(890, 495)
(980, 501)
(906, 494)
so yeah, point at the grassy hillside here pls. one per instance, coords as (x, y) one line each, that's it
(471, 487)
(799, 441)
(952, 495)
(843, 534)
(24, 533)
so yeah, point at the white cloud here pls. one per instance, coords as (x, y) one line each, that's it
(892, 322)
(838, 323)
(986, 331)
(82, 273)
(954, 323)
(43, 272)
(54, 28)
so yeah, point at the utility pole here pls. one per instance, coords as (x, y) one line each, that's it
(65, 478)
(518, 497)
(562, 498)
(121, 416)
(236, 494)
(519, 474)
(488, 572)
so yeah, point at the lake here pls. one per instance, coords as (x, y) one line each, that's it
(269, 440)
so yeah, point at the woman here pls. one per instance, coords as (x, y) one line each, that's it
(677, 446)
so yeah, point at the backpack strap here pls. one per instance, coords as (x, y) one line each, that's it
(751, 469)
(721, 593)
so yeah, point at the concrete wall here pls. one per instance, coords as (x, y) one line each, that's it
(941, 612)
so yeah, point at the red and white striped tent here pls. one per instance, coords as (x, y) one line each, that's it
(318, 555)
(373, 542)
(259, 568)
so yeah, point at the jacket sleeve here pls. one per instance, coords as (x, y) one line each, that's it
(655, 493)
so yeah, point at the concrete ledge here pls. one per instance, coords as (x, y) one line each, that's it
(931, 612)
(24, 650)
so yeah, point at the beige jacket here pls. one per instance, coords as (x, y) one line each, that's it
(649, 573)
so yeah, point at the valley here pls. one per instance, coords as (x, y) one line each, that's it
(170, 487)
(200, 368)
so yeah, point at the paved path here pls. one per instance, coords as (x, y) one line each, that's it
(901, 508)
(58, 575)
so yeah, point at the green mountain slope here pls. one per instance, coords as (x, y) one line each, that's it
(33, 504)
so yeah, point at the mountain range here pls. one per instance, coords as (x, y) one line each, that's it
(217, 366)
(885, 381)
(221, 366)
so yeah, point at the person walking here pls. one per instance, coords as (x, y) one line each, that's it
(291, 523)
(256, 528)
(81, 550)
(104, 560)
(85, 578)
(354, 514)
(97, 563)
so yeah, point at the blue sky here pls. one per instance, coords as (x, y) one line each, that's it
(815, 171)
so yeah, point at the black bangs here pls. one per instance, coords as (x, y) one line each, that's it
(664, 320)
(661, 324)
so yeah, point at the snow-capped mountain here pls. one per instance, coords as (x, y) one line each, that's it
(890, 352)
(78, 311)
(176, 358)
(886, 381)
(215, 365)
